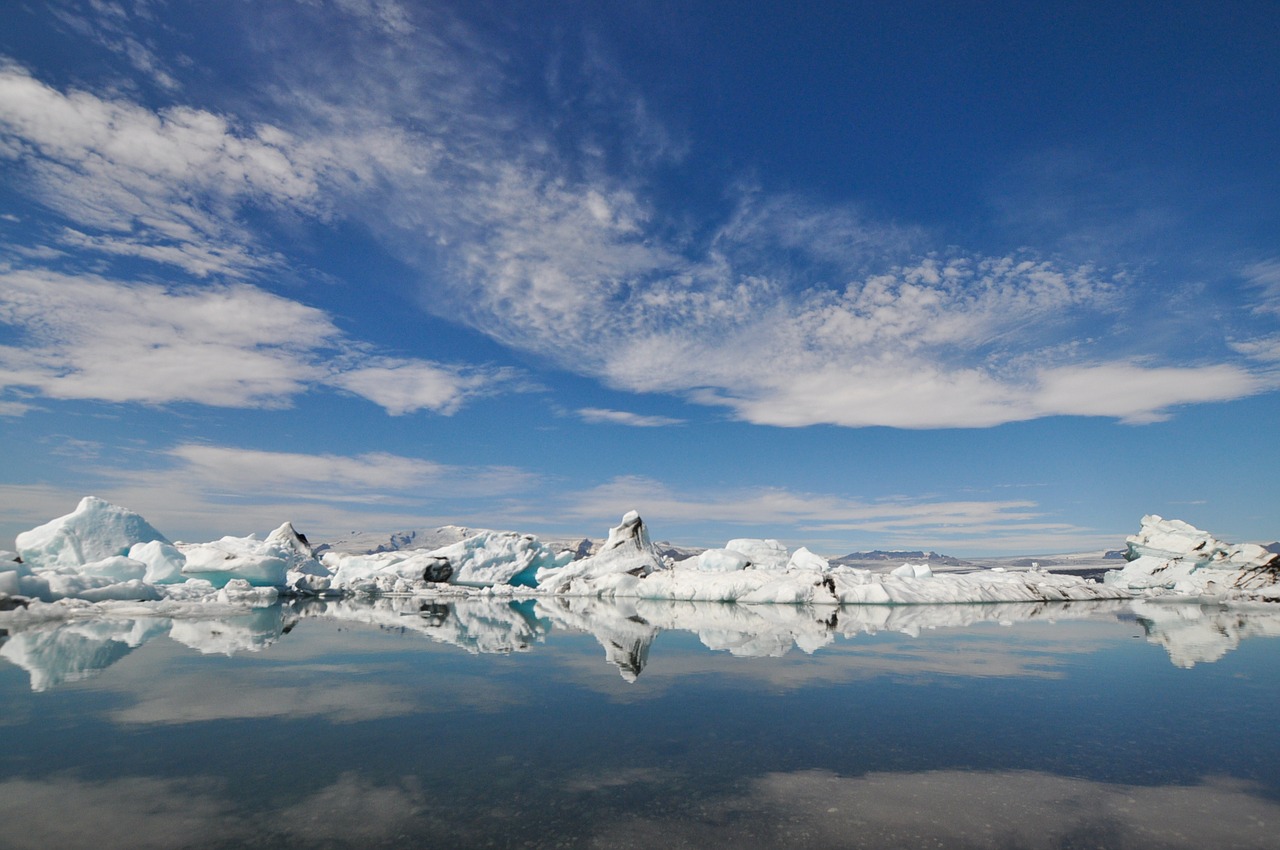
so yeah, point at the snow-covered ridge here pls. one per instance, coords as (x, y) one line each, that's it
(102, 552)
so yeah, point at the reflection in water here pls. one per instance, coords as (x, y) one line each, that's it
(56, 653)
(362, 725)
(817, 808)
(811, 808)
(1201, 634)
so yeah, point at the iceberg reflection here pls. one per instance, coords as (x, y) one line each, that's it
(53, 654)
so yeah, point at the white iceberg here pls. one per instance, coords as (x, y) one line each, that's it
(627, 554)
(766, 554)
(283, 559)
(484, 559)
(722, 561)
(108, 555)
(93, 531)
(1168, 556)
(163, 561)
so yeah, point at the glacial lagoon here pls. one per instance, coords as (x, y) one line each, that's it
(578, 723)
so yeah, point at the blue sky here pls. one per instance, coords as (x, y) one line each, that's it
(985, 279)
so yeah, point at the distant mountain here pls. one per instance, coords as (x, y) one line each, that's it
(1114, 554)
(900, 556)
(1273, 547)
(367, 543)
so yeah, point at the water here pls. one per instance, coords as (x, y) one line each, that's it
(572, 724)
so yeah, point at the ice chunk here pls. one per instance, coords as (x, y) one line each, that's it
(94, 530)
(1171, 556)
(499, 557)
(721, 561)
(116, 568)
(628, 552)
(481, 560)
(163, 561)
(766, 554)
(287, 537)
(237, 557)
(913, 571)
(803, 559)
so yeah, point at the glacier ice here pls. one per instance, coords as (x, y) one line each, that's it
(722, 561)
(627, 554)
(104, 554)
(96, 529)
(764, 554)
(1168, 556)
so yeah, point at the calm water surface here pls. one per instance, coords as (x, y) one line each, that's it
(488, 724)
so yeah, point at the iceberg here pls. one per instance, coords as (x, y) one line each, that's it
(95, 530)
(113, 558)
(484, 559)
(627, 554)
(764, 554)
(722, 561)
(1168, 556)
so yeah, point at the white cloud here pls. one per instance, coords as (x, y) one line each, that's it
(386, 16)
(88, 337)
(599, 415)
(163, 185)
(790, 312)
(14, 408)
(198, 491)
(822, 520)
(1266, 349)
(1265, 278)
(222, 467)
(1138, 394)
(115, 26)
(406, 386)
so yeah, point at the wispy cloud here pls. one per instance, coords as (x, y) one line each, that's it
(788, 311)
(164, 185)
(201, 491)
(404, 386)
(117, 27)
(327, 477)
(599, 415)
(825, 520)
(1264, 277)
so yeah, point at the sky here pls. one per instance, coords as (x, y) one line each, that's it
(979, 278)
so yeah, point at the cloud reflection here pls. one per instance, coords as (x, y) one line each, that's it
(952, 808)
(806, 808)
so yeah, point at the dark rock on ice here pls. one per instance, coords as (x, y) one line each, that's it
(438, 571)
